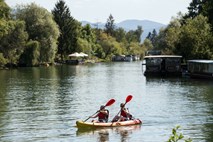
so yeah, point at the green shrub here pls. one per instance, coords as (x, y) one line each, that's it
(175, 137)
(3, 61)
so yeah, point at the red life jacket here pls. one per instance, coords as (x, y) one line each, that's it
(123, 113)
(102, 116)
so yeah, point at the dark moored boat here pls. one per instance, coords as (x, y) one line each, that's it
(200, 68)
(163, 65)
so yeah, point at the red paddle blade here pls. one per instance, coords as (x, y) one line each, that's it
(128, 98)
(110, 102)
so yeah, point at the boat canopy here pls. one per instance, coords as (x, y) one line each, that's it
(163, 56)
(201, 61)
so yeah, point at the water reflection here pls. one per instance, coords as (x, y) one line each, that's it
(123, 133)
(34, 100)
(103, 136)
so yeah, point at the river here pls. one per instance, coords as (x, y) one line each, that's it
(42, 104)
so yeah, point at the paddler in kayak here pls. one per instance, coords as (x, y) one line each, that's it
(124, 114)
(103, 115)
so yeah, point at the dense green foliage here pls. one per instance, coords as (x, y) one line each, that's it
(3, 61)
(30, 56)
(34, 36)
(68, 26)
(40, 27)
(31, 35)
(208, 11)
(204, 7)
(195, 42)
(12, 36)
(189, 35)
(13, 42)
(87, 41)
(4, 10)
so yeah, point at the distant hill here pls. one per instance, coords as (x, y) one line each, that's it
(133, 24)
(147, 26)
(94, 25)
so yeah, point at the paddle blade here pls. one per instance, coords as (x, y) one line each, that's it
(110, 102)
(128, 98)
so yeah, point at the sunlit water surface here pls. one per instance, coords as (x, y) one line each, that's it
(42, 104)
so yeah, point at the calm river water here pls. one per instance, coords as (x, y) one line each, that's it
(42, 104)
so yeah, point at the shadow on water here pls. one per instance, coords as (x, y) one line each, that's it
(123, 133)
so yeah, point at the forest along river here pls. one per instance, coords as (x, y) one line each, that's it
(43, 103)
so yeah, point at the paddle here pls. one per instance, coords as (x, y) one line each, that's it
(109, 103)
(128, 99)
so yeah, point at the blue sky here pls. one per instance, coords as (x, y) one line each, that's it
(99, 10)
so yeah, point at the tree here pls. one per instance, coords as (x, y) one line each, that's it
(4, 10)
(138, 33)
(12, 36)
(110, 26)
(68, 26)
(134, 48)
(30, 56)
(41, 27)
(84, 46)
(147, 44)
(131, 36)
(167, 38)
(204, 7)
(152, 36)
(87, 33)
(109, 46)
(195, 42)
(172, 36)
(208, 11)
(87, 40)
(120, 34)
(149, 36)
(195, 8)
(134, 35)
(12, 40)
(3, 61)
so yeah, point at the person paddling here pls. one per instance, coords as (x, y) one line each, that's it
(103, 115)
(124, 115)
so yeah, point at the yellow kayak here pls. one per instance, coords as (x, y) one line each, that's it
(82, 124)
